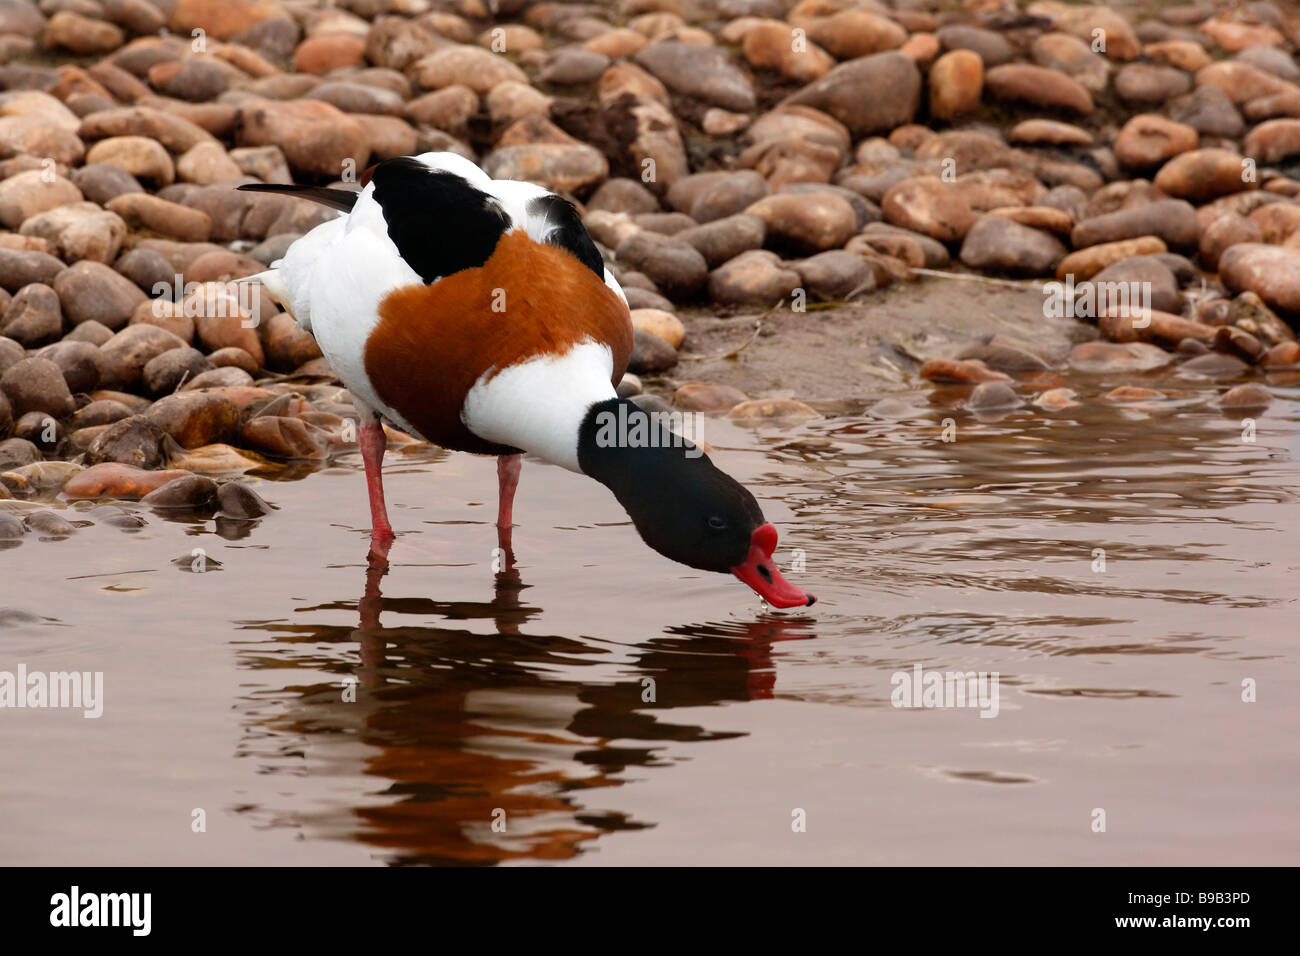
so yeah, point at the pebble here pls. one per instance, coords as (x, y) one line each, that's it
(327, 52)
(1202, 174)
(1103, 357)
(659, 323)
(1171, 220)
(49, 525)
(167, 372)
(1038, 86)
(1214, 365)
(124, 356)
(997, 244)
(1248, 396)
(1052, 132)
(1272, 272)
(853, 33)
(42, 430)
(33, 316)
(1282, 355)
(776, 411)
(1147, 84)
(1152, 325)
(1222, 234)
(988, 46)
(1240, 343)
(10, 353)
(287, 345)
(227, 377)
(1072, 57)
(133, 441)
(993, 396)
(1209, 111)
(26, 194)
(471, 66)
(724, 239)
(1147, 140)
(20, 267)
(238, 500)
(811, 223)
(37, 385)
(315, 137)
(768, 46)
(931, 206)
(78, 361)
(1004, 357)
(1125, 394)
(892, 78)
(1148, 273)
(196, 418)
(704, 73)
(835, 275)
(676, 267)
(1086, 263)
(152, 213)
(99, 412)
(16, 452)
(78, 231)
(960, 372)
(116, 480)
(143, 158)
(706, 197)
(284, 437)
(91, 291)
(650, 354)
(1055, 399)
(752, 278)
(219, 458)
(707, 397)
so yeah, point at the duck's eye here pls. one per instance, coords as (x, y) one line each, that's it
(716, 523)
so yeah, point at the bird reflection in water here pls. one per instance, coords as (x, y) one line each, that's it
(493, 742)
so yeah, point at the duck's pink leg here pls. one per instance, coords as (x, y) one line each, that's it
(508, 467)
(373, 442)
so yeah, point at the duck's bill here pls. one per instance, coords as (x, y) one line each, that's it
(759, 571)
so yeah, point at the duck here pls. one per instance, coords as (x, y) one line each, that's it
(478, 314)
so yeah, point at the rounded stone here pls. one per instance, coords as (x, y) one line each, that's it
(91, 291)
(131, 441)
(674, 266)
(37, 385)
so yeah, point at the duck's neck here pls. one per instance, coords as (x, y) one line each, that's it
(541, 405)
(631, 452)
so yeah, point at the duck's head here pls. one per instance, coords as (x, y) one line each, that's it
(681, 503)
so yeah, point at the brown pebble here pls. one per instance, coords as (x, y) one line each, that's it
(960, 372)
(117, 480)
(1248, 396)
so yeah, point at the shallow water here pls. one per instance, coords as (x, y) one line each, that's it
(521, 696)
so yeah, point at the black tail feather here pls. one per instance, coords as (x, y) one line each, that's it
(343, 199)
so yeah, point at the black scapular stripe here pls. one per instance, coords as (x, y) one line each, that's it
(343, 199)
(438, 221)
(567, 231)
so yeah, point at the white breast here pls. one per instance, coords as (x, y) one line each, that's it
(539, 405)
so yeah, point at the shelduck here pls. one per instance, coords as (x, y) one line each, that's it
(478, 314)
